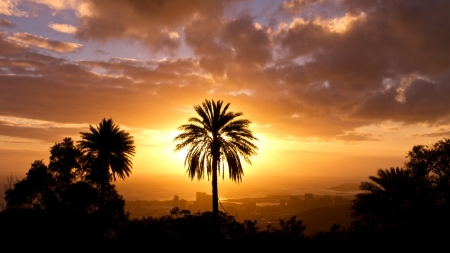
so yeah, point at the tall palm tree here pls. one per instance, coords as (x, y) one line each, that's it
(109, 150)
(214, 139)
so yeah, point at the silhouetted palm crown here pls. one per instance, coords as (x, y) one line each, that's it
(109, 146)
(389, 190)
(216, 133)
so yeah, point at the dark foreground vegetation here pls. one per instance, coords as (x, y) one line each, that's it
(73, 199)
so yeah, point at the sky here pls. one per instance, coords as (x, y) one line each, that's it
(333, 88)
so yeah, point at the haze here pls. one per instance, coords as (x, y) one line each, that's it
(335, 89)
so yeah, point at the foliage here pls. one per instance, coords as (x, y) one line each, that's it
(108, 151)
(64, 196)
(384, 195)
(181, 224)
(413, 201)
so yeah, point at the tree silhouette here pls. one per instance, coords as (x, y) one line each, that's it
(385, 194)
(59, 196)
(107, 148)
(216, 138)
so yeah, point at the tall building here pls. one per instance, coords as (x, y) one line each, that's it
(207, 202)
(198, 201)
(176, 201)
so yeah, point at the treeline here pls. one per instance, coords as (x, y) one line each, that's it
(73, 199)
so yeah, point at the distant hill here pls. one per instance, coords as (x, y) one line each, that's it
(321, 219)
(347, 187)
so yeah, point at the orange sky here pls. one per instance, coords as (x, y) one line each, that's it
(334, 88)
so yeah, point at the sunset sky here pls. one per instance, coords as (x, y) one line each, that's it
(334, 88)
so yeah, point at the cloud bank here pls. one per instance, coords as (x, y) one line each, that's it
(311, 68)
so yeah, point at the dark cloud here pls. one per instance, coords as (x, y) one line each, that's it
(346, 70)
(6, 23)
(422, 101)
(249, 41)
(155, 23)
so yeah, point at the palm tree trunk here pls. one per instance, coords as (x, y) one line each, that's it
(215, 200)
(215, 191)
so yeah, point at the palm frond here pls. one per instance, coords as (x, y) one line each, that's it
(216, 124)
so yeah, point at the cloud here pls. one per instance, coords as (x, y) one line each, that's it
(38, 86)
(6, 23)
(357, 63)
(46, 134)
(435, 134)
(63, 28)
(250, 42)
(159, 21)
(421, 101)
(101, 52)
(27, 39)
(59, 5)
(297, 6)
(353, 137)
(9, 8)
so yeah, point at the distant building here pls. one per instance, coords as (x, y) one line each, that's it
(198, 198)
(176, 200)
(207, 202)
(192, 207)
(203, 202)
(182, 204)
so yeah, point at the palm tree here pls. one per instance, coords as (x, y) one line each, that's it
(385, 195)
(108, 149)
(214, 139)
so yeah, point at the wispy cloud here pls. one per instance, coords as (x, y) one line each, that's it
(435, 134)
(63, 28)
(27, 39)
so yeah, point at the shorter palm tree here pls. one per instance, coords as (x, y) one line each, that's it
(384, 195)
(109, 151)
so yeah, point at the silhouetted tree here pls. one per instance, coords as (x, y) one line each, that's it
(35, 191)
(108, 151)
(413, 201)
(384, 197)
(431, 167)
(60, 197)
(215, 139)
